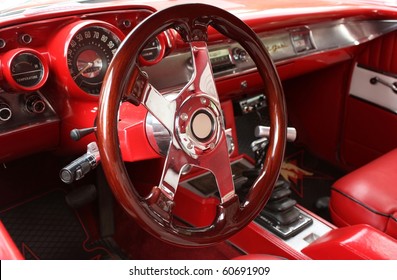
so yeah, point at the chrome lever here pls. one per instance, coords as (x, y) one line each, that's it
(264, 131)
(259, 148)
(78, 168)
(259, 144)
(392, 86)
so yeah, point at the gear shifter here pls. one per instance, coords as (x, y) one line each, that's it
(280, 214)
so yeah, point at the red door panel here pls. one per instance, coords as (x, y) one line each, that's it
(369, 129)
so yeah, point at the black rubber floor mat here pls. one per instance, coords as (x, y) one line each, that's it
(46, 228)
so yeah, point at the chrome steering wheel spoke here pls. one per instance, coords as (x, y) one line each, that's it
(203, 79)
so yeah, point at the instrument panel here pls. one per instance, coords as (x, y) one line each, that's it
(51, 74)
(53, 69)
(82, 46)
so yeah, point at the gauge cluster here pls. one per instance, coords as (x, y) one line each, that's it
(52, 70)
(82, 46)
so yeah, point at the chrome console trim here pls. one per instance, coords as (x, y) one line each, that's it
(308, 235)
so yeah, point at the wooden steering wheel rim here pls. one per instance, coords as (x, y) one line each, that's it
(120, 81)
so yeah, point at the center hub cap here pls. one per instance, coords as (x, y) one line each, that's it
(202, 125)
(198, 125)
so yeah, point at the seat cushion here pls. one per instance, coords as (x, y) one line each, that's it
(368, 195)
(258, 257)
(358, 242)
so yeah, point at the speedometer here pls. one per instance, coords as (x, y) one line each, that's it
(89, 53)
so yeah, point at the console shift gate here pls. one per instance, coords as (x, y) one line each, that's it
(279, 215)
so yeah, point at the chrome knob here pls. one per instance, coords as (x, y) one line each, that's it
(5, 112)
(35, 104)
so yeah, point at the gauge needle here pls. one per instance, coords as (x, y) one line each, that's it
(97, 62)
(89, 64)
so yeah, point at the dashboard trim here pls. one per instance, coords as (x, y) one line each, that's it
(325, 37)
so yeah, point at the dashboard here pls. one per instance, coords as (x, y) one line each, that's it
(51, 70)
(47, 65)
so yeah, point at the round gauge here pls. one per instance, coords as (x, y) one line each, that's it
(154, 51)
(151, 50)
(89, 53)
(25, 69)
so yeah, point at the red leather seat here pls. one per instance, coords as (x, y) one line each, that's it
(358, 242)
(368, 195)
(258, 257)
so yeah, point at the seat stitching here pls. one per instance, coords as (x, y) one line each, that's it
(362, 204)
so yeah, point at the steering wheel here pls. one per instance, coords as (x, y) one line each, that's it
(194, 121)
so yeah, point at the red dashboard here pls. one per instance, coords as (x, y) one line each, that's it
(56, 65)
(56, 61)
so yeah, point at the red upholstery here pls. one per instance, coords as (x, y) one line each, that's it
(391, 228)
(8, 249)
(374, 56)
(368, 195)
(258, 257)
(358, 242)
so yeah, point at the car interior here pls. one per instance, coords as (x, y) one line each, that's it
(216, 130)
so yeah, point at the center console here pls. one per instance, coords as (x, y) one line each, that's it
(282, 220)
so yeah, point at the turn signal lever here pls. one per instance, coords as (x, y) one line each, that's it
(78, 168)
(77, 134)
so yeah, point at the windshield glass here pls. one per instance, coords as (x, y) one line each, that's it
(16, 7)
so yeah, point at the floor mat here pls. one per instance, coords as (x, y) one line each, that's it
(47, 228)
(311, 180)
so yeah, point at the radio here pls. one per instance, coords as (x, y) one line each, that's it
(220, 60)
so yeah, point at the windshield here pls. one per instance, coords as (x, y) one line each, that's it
(17, 7)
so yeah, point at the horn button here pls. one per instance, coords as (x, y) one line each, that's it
(202, 125)
(198, 125)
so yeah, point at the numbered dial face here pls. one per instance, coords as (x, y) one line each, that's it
(27, 69)
(151, 51)
(89, 54)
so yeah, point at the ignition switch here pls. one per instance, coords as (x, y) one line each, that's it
(35, 104)
(5, 112)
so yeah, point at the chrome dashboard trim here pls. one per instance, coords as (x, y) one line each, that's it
(325, 36)
(23, 119)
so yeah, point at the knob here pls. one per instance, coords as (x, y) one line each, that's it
(2, 43)
(35, 104)
(26, 39)
(77, 134)
(239, 54)
(5, 112)
(126, 23)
